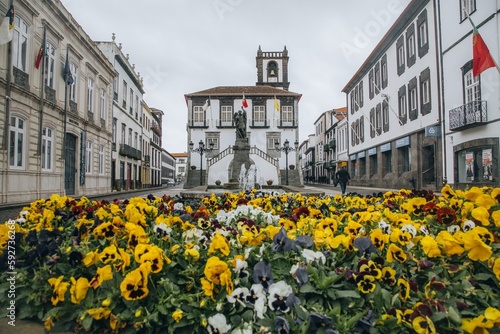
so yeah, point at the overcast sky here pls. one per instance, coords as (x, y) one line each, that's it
(184, 46)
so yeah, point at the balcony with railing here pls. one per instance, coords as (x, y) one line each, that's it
(468, 115)
(156, 128)
(129, 151)
(332, 144)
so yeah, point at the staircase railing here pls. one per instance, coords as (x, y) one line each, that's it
(263, 155)
(219, 156)
(253, 150)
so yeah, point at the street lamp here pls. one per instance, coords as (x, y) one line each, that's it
(201, 150)
(286, 148)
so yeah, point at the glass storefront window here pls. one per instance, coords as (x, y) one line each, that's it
(475, 165)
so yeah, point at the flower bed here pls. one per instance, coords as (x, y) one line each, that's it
(401, 262)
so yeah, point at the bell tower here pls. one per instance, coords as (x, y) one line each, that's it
(272, 68)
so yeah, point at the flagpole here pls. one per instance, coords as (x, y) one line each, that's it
(474, 27)
(7, 93)
(42, 88)
(65, 107)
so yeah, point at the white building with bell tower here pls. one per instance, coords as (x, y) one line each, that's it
(272, 123)
(272, 68)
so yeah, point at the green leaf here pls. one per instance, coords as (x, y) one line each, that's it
(307, 288)
(301, 313)
(482, 276)
(347, 294)
(354, 319)
(87, 323)
(454, 316)
(438, 316)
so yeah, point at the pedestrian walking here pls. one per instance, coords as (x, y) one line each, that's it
(343, 178)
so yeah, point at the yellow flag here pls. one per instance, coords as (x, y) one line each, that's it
(276, 104)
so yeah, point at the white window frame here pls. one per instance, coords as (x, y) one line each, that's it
(413, 99)
(125, 92)
(383, 72)
(17, 142)
(422, 34)
(287, 114)
(101, 159)
(50, 63)
(72, 88)
(259, 114)
(47, 148)
(114, 129)
(385, 113)
(411, 45)
(401, 55)
(19, 45)
(123, 134)
(102, 103)
(131, 105)
(137, 107)
(88, 157)
(198, 116)
(226, 115)
(471, 89)
(130, 137)
(425, 91)
(403, 108)
(116, 87)
(213, 140)
(467, 7)
(90, 94)
(273, 143)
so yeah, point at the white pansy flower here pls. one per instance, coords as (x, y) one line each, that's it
(312, 256)
(218, 324)
(386, 228)
(468, 225)
(179, 206)
(453, 228)
(410, 229)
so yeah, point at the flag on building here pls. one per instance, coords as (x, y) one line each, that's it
(244, 103)
(68, 77)
(206, 105)
(7, 26)
(39, 56)
(481, 56)
(276, 104)
(41, 52)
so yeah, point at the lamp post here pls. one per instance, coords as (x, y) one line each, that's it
(286, 148)
(201, 150)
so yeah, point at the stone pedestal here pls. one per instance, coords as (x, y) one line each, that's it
(241, 151)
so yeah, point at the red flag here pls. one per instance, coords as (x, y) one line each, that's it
(481, 56)
(39, 57)
(244, 102)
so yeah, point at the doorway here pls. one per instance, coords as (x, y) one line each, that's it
(70, 164)
(428, 167)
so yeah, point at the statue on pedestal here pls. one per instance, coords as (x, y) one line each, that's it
(240, 119)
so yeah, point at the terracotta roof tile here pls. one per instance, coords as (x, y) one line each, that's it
(247, 90)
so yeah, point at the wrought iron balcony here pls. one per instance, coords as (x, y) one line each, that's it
(129, 151)
(468, 115)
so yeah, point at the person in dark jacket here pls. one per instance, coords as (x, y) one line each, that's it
(343, 178)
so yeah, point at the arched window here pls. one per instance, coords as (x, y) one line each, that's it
(272, 71)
